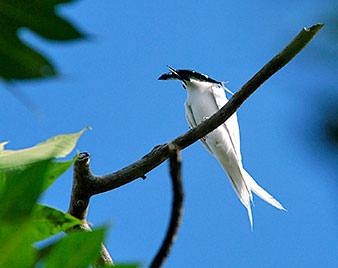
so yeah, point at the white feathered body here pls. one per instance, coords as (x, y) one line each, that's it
(203, 100)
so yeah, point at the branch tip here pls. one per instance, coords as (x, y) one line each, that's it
(315, 27)
(83, 157)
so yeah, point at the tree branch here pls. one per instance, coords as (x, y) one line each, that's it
(79, 201)
(160, 153)
(177, 207)
(85, 184)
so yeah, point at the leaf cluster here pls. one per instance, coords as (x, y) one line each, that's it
(24, 176)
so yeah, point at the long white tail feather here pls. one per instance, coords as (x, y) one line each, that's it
(243, 184)
(258, 190)
(250, 216)
(241, 188)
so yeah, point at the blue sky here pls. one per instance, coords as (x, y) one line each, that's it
(109, 82)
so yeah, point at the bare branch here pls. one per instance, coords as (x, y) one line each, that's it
(177, 207)
(82, 177)
(160, 153)
(79, 202)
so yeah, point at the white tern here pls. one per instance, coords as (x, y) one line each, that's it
(205, 96)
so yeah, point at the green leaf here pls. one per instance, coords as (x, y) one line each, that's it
(79, 249)
(21, 190)
(55, 170)
(49, 221)
(58, 146)
(40, 17)
(15, 247)
(17, 60)
(2, 180)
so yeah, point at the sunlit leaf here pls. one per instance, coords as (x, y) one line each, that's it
(55, 147)
(2, 145)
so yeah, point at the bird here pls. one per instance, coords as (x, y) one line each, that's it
(205, 96)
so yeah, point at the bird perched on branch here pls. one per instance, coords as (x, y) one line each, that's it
(205, 96)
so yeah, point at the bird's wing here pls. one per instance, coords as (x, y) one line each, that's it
(231, 125)
(192, 124)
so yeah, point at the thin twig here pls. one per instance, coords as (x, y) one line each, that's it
(177, 207)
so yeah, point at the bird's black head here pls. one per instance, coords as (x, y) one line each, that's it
(170, 76)
(186, 75)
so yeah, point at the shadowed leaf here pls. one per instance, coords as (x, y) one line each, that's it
(21, 190)
(49, 221)
(78, 249)
(17, 60)
(55, 170)
(15, 247)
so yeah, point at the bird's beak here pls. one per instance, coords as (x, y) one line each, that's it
(168, 76)
(172, 69)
